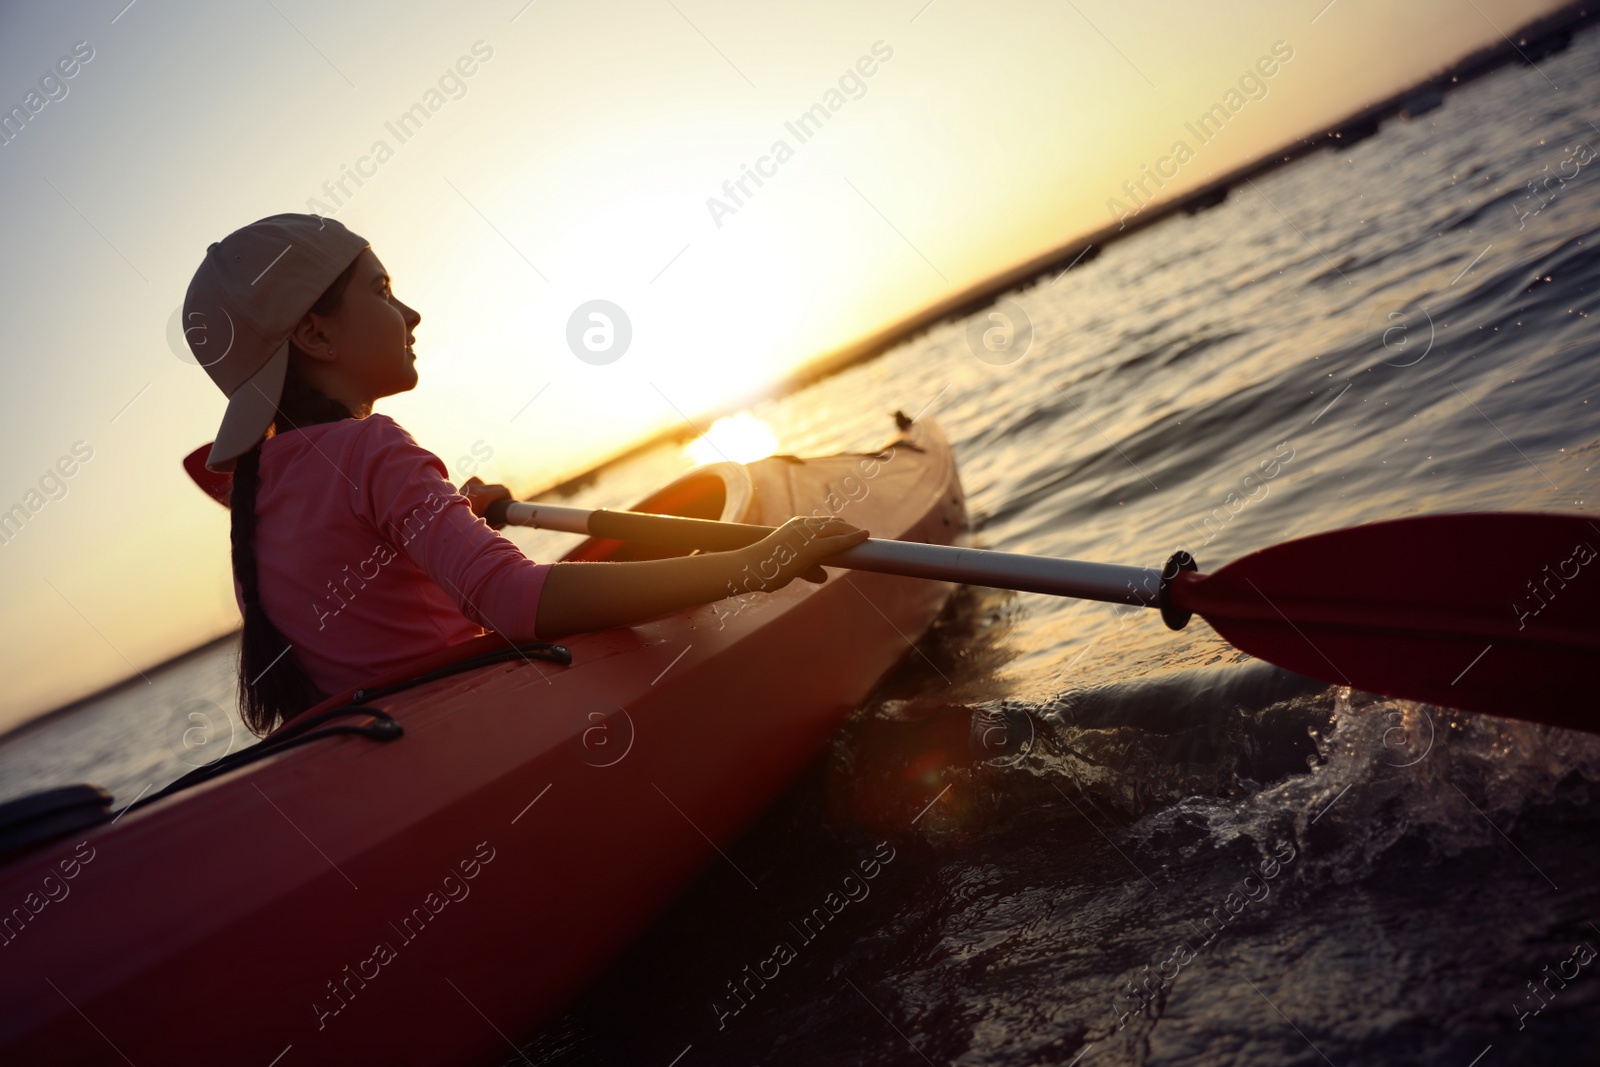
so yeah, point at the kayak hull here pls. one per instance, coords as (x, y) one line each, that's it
(430, 899)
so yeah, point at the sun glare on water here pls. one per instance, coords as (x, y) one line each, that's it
(742, 438)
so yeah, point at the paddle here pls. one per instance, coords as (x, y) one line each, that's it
(1496, 613)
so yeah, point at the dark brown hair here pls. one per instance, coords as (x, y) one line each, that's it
(273, 686)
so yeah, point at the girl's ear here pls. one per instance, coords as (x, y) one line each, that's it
(310, 336)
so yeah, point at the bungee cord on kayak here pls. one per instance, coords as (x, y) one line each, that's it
(383, 727)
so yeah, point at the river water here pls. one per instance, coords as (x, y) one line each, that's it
(1099, 841)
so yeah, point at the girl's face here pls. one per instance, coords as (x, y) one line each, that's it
(370, 335)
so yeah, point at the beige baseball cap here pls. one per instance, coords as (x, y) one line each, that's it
(243, 302)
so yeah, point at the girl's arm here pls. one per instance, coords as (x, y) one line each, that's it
(594, 596)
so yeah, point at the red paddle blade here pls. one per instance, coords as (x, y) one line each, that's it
(1496, 613)
(219, 486)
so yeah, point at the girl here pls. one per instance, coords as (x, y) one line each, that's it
(352, 554)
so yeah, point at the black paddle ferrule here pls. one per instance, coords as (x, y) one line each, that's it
(1175, 618)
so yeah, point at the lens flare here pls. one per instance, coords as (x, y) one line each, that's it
(741, 438)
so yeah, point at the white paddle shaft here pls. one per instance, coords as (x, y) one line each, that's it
(1107, 582)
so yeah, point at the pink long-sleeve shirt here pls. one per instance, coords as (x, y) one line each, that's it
(369, 558)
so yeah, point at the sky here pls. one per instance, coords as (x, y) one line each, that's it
(569, 152)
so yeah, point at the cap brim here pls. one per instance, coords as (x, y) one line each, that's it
(251, 409)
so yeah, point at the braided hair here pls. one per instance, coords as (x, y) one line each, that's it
(273, 685)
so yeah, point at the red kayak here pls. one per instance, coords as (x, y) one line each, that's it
(424, 875)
